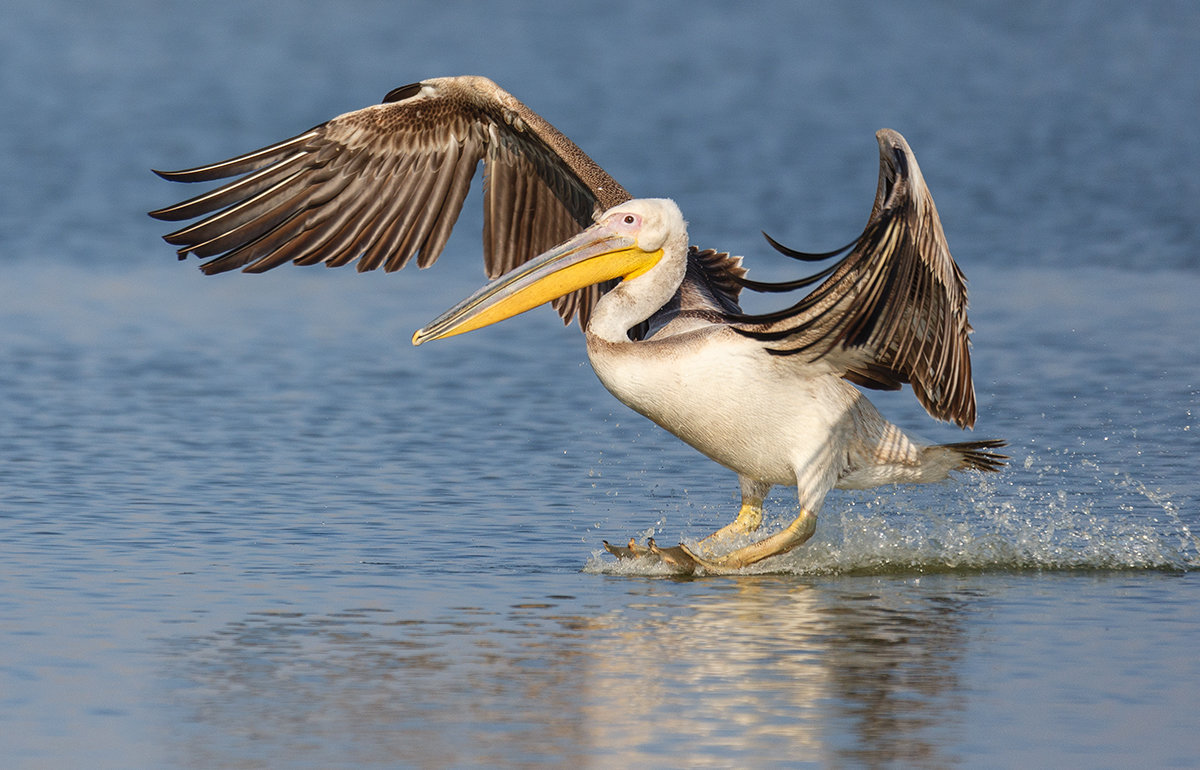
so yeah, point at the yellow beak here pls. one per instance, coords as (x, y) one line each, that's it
(595, 255)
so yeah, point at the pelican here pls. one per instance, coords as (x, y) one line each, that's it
(775, 397)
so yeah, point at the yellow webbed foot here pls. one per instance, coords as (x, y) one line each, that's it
(678, 557)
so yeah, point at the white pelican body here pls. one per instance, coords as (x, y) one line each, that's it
(716, 390)
(769, 422)
(769, 396)
(759, 415)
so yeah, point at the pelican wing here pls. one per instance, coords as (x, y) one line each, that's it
(894, 310)
(386, 183)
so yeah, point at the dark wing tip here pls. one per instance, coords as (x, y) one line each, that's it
(402, 93)
(808, 256)
(978, 455)
(183, 175)
(164, 213)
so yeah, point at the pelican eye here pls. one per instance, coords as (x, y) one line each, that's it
(630, 219)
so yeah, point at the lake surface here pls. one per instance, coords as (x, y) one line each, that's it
(243, 523)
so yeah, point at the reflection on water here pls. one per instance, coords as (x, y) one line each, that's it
(764, 669)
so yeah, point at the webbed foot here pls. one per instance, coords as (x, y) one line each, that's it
(685, 561)
(679, 558)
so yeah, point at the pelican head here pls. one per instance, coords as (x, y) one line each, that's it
(628, 242)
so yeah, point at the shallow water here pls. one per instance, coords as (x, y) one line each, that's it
(243, 523)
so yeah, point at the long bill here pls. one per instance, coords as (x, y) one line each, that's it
(595, 255)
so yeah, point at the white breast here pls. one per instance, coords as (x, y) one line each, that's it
(761, 415)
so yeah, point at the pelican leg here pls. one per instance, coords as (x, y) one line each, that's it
(748, 520)
(794, 534)
(749, 517)
(686, 561)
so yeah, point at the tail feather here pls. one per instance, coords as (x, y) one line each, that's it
(976, 455)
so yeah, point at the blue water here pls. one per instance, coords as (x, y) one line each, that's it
(243, 523)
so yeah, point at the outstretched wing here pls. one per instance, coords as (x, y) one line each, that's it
(386, 183)
(894, 310)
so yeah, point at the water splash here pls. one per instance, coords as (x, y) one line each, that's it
(1065, 511)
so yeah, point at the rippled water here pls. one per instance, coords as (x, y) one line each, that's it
(244, 524)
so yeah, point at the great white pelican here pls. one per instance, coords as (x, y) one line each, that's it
(771, 396)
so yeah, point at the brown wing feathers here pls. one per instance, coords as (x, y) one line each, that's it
(386, 183)
(894, 309)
